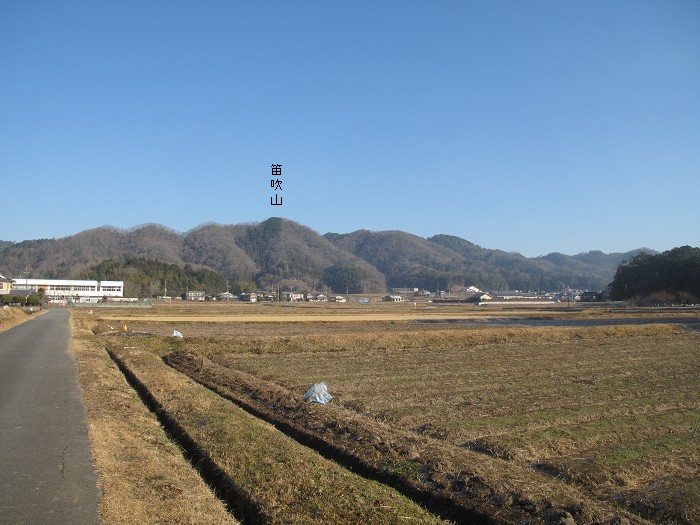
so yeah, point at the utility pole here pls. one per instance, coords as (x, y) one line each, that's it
(26, 285)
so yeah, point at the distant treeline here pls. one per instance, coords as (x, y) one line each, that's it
(149, 278)
(34, 299)
(669, 277)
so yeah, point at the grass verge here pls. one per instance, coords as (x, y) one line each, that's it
(144, 478)
(12, 316)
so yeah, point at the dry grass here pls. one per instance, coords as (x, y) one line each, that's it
(284, 481)
(182, 311)
(613, 410)
(12, 316)
(608, 412)
(292, 338)
(143, 475)
(507, 493)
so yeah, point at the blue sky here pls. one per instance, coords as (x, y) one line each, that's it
(532, 126)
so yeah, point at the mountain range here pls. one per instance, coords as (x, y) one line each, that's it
(280, 251)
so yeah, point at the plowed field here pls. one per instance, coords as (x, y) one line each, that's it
(543, 424)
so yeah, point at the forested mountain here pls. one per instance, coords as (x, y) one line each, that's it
(148, 278)
(590, 270)
(67, 257)
(405, 259)
(215, 246)
(445, 261)
(669, 277)
(279, 251)
(283, 251)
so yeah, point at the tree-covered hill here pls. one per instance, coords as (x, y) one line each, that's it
(67, 257)
(445, 261)
(214, 246)
(280, 252)
(284, 250)
(147, 277)
(405, 259)
(671, 276)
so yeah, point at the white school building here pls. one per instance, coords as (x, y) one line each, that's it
(77, 291)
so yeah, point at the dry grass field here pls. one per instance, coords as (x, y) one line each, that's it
(12, 316)
(143, 476)
(577, 424)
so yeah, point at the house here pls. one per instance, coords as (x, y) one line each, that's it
(514, 294)
(479, 297)
(321, 298)
(226, 296)
(5, 285)
(591, 297)
(393, 298)
(292, 296)
(249, 297)
(195, 295)
(404, 291)
(339, 299)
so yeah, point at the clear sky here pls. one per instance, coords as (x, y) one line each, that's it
(533, 126)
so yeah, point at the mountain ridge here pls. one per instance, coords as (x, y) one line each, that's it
(281, 252)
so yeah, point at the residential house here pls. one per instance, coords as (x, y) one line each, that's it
(479, 297)
(5, 285)
(405, 291)
(195, 295)
(226, 296)
(591, 297)
(249, 297)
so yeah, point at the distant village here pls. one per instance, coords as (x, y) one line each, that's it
(64, 291)
(397, 295)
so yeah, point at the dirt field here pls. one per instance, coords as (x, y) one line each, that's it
(539, 424)
(614, 415)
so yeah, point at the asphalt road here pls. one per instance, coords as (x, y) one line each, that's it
(46, 475)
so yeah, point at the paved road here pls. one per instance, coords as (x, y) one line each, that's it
(46, 476)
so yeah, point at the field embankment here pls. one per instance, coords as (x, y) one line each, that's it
(144, 478)
(12, 316)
